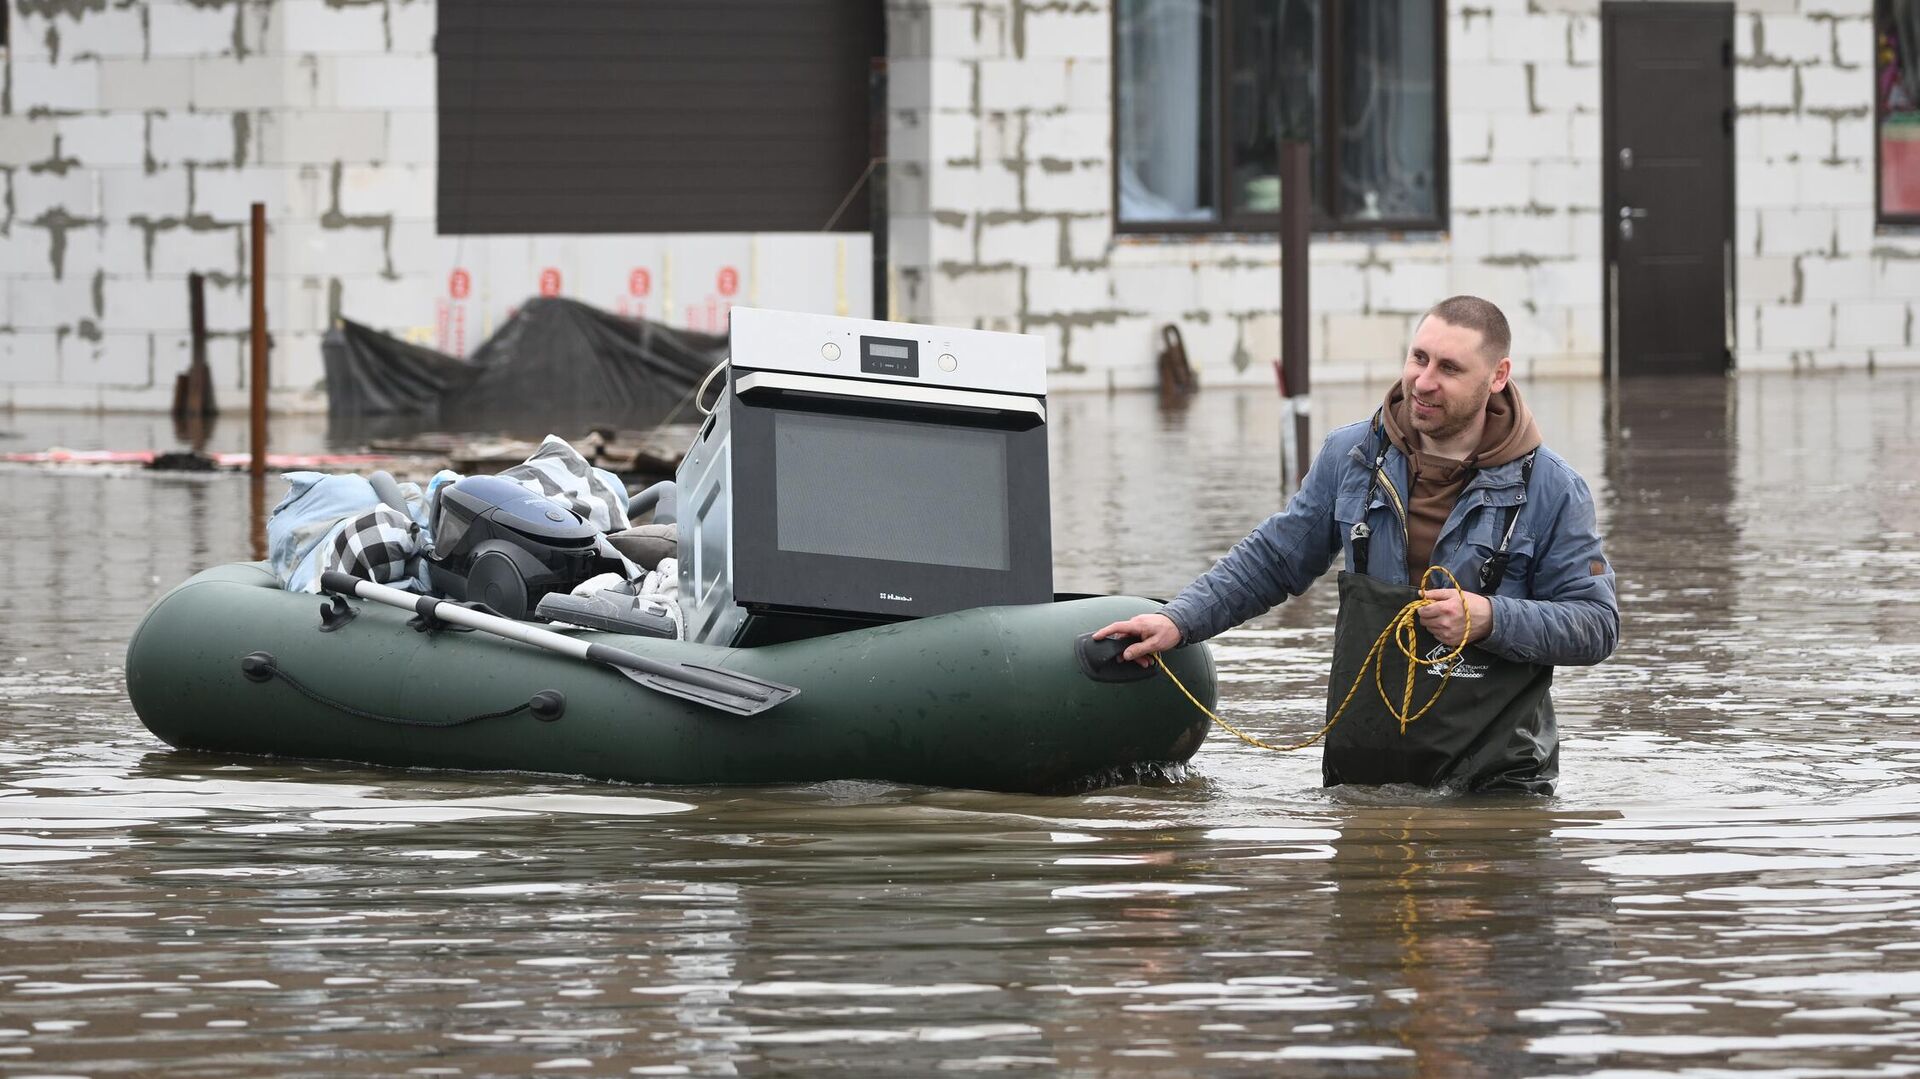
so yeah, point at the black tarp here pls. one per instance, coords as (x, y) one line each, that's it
(555, 364)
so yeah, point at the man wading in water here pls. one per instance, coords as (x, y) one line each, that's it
(1449, 472)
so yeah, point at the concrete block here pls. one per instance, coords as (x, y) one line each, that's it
(1853, 42)
(402, 191)
(1871, 325)
(952, 85)
(1900, 359)
(117, 359)
(315, 26)
(1130, 343)
(29, 357)
(1527, 233)
(1336, 287)
(955, 137)
(1504, 284)
(1766, 184)
(1796, 326)
(253, 83)
(46, 303)
(310, 245)
(1089, 238)
(1746, 325)
(27, 36)
(1855, 230)
(413, 138)
(1585, 330)
(25, 251)
(1835, 184)
(397, 83)
(34, 193)
(1796, 232)
(103, 32)
(1052, 291)
(1565, 283)
(1470, 137)
(127, 192)
(1585, 143)
(1469, 36)
(1021, 243)
(183, 250)
(1015, 85)
(1563, 88)
(1896, 278)
(1766, 89)
(296, 138)
(1155, 288)
(1496, 88)
(147, 304)
(411, 25)
(1065, 33)
(1790, 135)
(977, 32)
(1757, 360)
(1793, 39)
(228, 194)
(1771, 280)
(201, 138)
(68, 86)
(143, 85)
(296, 362)
(1565, 184)
(24, 139)
(1238, 288)
(1853, 137)
(1070, 136)
(1089, 85)
(1835, 88)
(975, 293)
(963, 188)
(1405, 287)
(190, 30)
(1538, 335)
(1051, 188)
(1846, 278)
(104, 140)
(1489, 186)
(1376, 338)
(1583, 36)
(1530, 137)
(1537, 37)
(950, 242)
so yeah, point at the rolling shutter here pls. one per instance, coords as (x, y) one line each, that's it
(653, 115)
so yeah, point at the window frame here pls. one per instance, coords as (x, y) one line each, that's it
(1326, 168)
(1880, 215)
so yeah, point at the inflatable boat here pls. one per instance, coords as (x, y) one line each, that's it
(998, 698)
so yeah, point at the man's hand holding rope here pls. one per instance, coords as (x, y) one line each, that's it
(1443, 617)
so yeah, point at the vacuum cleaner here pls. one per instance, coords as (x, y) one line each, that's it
(500, 544)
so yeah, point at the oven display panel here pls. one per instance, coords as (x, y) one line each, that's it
(889, 356)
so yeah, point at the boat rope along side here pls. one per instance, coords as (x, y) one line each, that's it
(1401, 631)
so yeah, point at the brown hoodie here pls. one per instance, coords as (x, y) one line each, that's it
(1510, 434)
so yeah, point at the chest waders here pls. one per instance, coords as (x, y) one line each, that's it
(1493, 727)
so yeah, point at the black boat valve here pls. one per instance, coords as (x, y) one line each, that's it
(1100, 660)
(257, 666)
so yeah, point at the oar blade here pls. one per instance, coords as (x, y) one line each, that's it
(752, 697)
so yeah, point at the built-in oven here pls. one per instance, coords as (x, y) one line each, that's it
(861, 471)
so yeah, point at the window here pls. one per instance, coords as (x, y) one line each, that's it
(1896, 97)
(1204, 90)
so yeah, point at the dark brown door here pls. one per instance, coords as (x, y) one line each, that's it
(1667, 123)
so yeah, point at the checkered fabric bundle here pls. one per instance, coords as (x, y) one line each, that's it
(381, 545)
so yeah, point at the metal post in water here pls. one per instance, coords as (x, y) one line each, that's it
(1296, 216)
(877, 184)
(258, 375)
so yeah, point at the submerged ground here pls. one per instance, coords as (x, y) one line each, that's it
(1729, 879)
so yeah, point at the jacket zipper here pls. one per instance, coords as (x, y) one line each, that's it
(1399, 510)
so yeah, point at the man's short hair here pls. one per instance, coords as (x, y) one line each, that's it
(1474, 313)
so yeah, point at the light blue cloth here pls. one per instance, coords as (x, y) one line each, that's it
(303, 529)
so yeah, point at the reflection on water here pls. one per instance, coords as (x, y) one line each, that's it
(1728, 882)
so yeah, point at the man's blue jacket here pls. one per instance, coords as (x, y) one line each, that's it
(1556, 605)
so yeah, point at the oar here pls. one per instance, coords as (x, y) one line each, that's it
(714, 688)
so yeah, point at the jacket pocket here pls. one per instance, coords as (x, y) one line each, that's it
(1483, 539)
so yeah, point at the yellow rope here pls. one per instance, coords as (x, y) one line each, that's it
(1401, 630)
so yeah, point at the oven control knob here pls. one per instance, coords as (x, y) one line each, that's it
(947, 362)
(829, 351)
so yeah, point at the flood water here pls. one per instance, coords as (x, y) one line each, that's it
(1728, 881)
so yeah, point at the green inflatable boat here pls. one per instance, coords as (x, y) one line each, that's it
(997, 698)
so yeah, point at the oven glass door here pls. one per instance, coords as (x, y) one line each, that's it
(887, 509)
